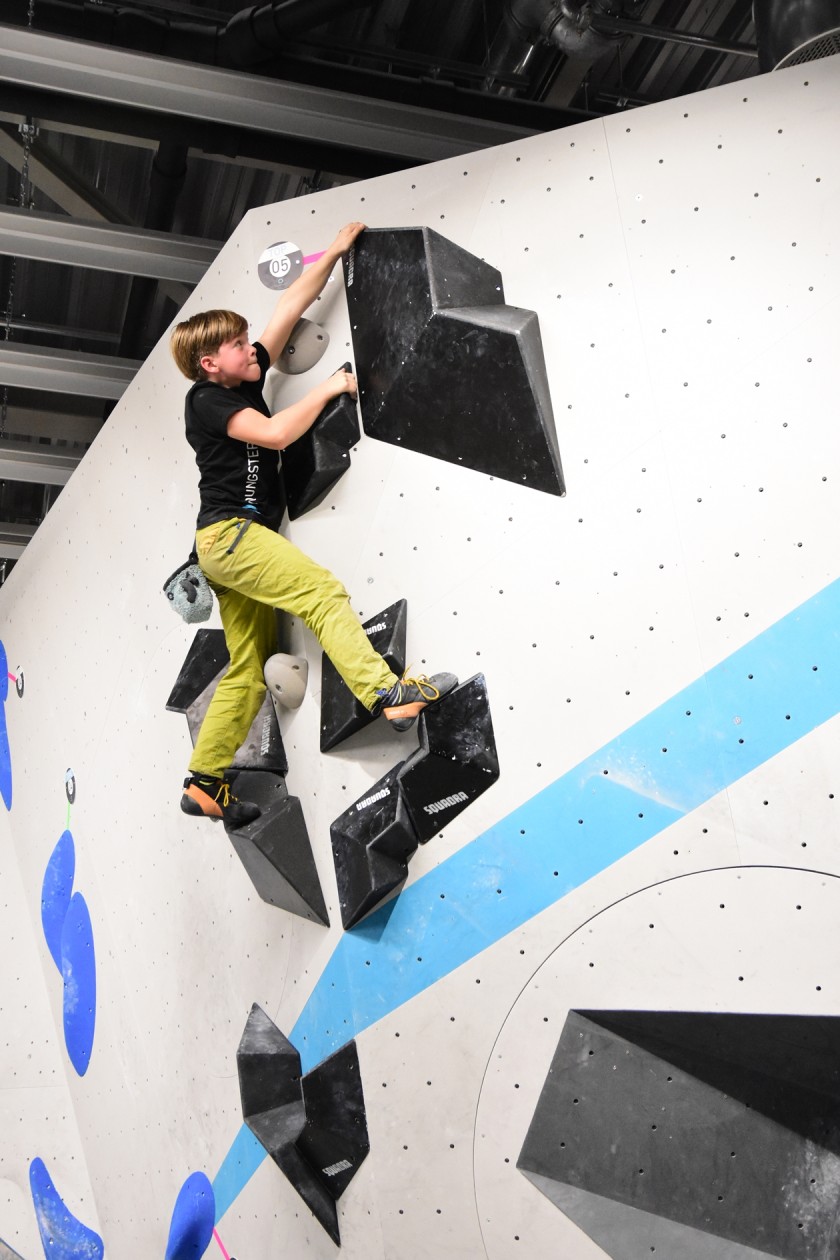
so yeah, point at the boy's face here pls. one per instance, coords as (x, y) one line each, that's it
(235, 361)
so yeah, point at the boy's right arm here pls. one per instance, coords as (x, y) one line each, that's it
(286, 426)
(302, 292)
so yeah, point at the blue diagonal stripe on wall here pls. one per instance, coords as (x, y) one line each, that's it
(754, 704)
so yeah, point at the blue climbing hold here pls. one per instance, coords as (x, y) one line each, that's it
(78, 967)
(56, 892)
(5, 751)
(63, 1237)
(4, 673)
(192, 1219)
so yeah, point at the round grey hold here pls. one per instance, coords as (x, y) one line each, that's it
(286, 677)
(306, 345)
(279, 265)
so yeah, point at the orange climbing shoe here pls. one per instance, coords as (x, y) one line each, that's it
(411, 695)
(206, 797)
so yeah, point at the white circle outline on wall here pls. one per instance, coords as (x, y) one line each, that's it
(748, 963)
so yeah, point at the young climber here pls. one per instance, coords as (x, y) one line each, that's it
(251, 567)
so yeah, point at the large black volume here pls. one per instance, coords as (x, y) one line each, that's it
(693, 1133)
(444, 365)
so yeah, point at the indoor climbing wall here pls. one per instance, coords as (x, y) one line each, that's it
(577, 992)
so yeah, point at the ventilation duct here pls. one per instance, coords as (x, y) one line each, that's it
(789, 32)
(565, 25)
(256, 33)
(569, 29)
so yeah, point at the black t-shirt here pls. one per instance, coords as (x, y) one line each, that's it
(235, 477)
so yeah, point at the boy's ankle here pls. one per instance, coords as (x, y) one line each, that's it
(209, 796)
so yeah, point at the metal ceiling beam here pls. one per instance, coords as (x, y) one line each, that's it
(35, 328)
(13, 539)
(624, 26)
(38, 422)
(60, 111)
(57, 180)
(65, 372)
(26, 461)
(126, 250)
(54, 122)
(118, 78)
(55, 119)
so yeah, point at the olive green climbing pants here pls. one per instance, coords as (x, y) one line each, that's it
(261, 572)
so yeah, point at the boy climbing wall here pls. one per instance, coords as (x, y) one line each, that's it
(251, 567)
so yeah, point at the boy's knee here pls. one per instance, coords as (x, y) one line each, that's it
(332, 588)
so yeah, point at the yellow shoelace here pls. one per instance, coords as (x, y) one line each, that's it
(224, 789)
(426, 688)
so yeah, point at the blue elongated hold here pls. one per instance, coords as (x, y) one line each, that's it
(78, 967)
(63, 1237)
(56, 891)
(5, 751)
(193, 1219)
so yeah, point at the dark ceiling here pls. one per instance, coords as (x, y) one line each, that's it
(397, 81)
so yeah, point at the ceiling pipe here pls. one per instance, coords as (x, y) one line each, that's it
(259, 32)
(565, 25)
(609, 25)
(254, 34)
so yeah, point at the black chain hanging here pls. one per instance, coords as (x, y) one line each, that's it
(28, 132)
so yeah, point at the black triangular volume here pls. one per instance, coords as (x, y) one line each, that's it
(372, 842)
(445, 366)
(335, 1138)
(263, 746)
(341, 713)
(456, 761)
(269, 1069)
(314, 1127)
(648, 1124)
(275, 848)
(206, 657)
(197, 710)
(314, 463)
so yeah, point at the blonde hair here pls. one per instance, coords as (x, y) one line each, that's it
(203, 334)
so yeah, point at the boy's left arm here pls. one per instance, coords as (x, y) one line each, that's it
(302, 293)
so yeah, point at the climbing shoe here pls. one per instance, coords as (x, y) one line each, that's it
(206, 797)
(408, 697)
